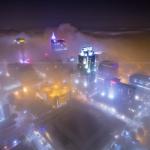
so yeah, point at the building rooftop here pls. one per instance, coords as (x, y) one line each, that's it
(77, 127)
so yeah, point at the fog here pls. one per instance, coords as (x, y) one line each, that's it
(130, 49)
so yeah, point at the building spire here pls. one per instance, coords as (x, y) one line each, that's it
(53, 37)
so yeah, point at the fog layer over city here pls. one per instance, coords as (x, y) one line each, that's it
(130, 48)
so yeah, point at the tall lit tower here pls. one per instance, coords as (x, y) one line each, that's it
(87, 60)
(57, 44)
(22, 57)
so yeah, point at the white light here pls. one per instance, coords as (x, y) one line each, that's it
(111, 95)
(84, 61)
(116, 136)
(82, 53)
(85, 54)
(86, 66)
(103, 94)
(88, 71)
(136, 97)
(87, 48)
(85, 84)
(36, 133)
(132, 110)
(90, 53)
(72, 59)
(123, 117)
(76, 81)
(113, 110)
(53, 36)
(15, 143)
(95, 81)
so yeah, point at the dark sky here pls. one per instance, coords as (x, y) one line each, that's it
(83, 14)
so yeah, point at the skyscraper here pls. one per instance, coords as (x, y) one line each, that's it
(86, 60)
(57, 44)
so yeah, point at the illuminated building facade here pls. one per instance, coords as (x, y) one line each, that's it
(57, 44)
(114, 89)
(23, 58)
(87, 60)
(140, 80)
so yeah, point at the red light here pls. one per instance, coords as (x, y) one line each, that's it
(112, 82)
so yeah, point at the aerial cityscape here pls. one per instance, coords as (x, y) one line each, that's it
(68, 86)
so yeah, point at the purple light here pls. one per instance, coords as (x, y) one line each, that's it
(112, 82)
(26, 61)
(53, 37)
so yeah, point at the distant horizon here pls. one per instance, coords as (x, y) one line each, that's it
(100, 28)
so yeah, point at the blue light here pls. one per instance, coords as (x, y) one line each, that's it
(125, 133)
(42, 129)
(103, 94)
(139, 106)
(95, 69)
(88, 71)
(111, 95)
(15, 143)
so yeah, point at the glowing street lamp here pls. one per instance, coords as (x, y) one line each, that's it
(25, 89)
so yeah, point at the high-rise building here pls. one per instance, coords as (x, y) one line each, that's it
(22, 53)
(140, 80)
(57, 44)
(87, 60)
(108, 69)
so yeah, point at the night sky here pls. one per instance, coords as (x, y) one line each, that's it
(82, 14)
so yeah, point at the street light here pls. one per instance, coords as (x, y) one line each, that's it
(25, 89)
